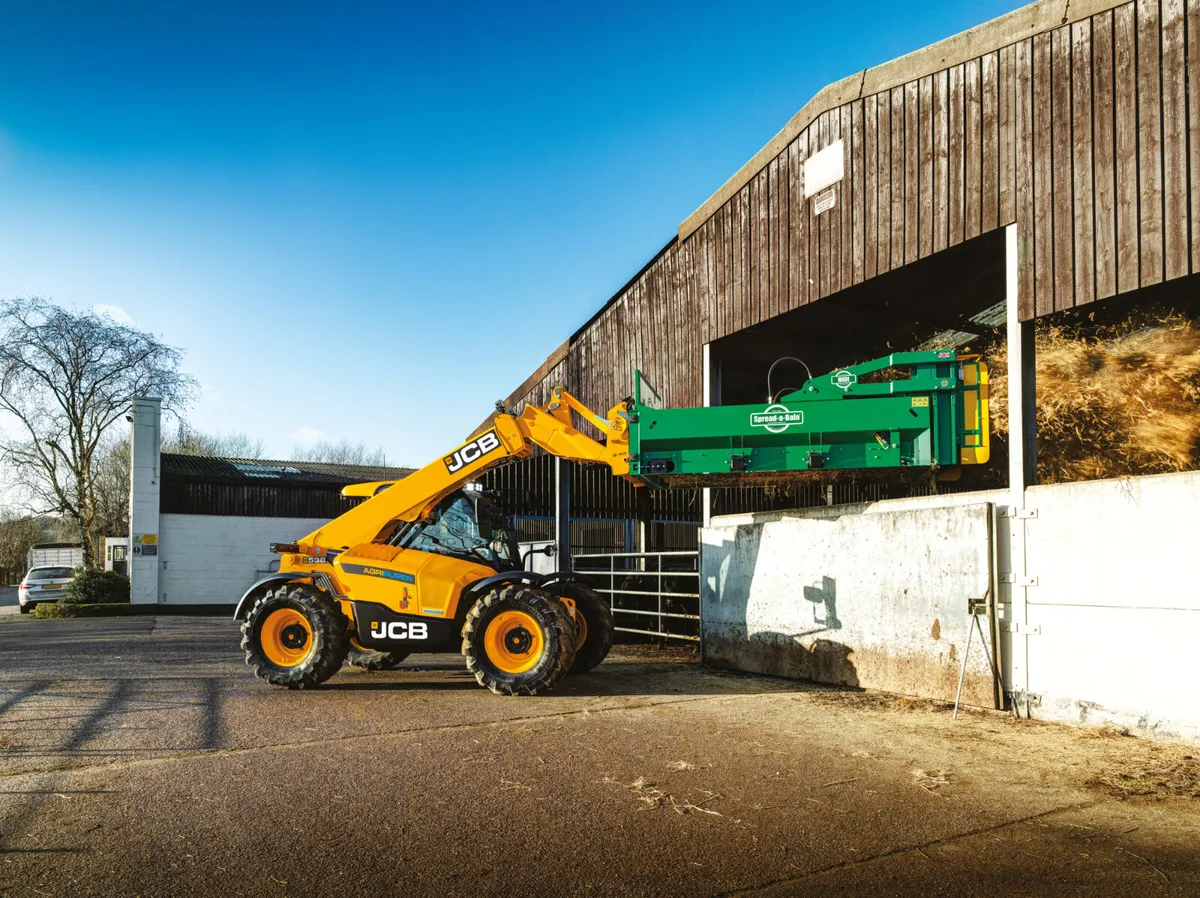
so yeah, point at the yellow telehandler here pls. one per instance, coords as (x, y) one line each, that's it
(428, 564)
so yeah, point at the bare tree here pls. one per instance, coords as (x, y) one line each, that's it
(342, 453)
(189, 441)
(110, 478)
(65, 378)
(17, 534)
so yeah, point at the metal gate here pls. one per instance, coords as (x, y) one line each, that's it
(652, 593)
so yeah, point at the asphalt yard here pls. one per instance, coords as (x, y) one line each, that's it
(138, 756)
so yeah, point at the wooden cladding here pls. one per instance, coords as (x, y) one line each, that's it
(1087, 136)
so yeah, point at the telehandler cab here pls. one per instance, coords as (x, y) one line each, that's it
(429, 564)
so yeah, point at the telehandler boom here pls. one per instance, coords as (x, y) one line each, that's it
(428, 564)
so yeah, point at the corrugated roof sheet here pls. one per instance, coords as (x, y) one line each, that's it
(261, 470)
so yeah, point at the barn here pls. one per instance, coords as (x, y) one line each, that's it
(1040, 167)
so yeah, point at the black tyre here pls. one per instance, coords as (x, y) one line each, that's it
(372, 659)
(25, 609)
(295, 637)
(518, 640)
(594, 622)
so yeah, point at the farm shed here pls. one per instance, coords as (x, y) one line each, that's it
(1041, 164)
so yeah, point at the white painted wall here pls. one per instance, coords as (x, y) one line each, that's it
(213, 559)
(1116, 601)
(856, 597)
(1113, 615)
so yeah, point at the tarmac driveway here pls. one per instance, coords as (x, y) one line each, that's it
(139, 756)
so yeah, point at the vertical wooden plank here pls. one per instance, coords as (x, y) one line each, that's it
(1193, 54)
(782, 264)
(723, 269)
(737, 302)
(772, 241)
(972, 150)
(845, 201)
(797, 224)
(1043, 185)
(925, 166)
(834, 215)
(941, 160)
(753, 265)
(762, 261)
(1149, 105)
(897, 177)
(1105, 221)
(989, 142)
(1081, 157)
(1023, 147)
(1125, 128)
(884, 106)
(745, 229)
(699, 240)
(812, 136)
(912, 162)
(1007, 151)
(1174, 115)
(857, 203)
(871, 186)
(1060, 153)
(957, 165)
(822, 221)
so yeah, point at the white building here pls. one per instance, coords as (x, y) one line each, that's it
(201, 527)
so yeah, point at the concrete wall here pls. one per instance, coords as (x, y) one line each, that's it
(211, 559)
(855, 596)
(1108, 630)
(1116, 602)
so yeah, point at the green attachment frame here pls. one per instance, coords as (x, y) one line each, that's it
(936, 417)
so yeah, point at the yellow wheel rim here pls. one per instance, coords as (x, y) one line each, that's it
(513, 641)
(286, 637)
(581, 628)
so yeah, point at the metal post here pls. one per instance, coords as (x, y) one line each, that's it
(1022, 464)
(562, 513)
(711, 393)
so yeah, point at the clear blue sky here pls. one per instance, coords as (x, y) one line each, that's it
(373, 220)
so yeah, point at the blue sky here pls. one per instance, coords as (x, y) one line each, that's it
(370, 221)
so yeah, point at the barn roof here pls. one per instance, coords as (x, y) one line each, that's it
(272, 471)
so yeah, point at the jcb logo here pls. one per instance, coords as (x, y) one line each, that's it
(474, 450)
(400, 630)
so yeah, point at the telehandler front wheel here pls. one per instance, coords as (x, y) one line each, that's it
(594, 625)
(295, 637)
(518, 640)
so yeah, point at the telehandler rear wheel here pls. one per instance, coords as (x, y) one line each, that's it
(373, 659)
(295, 637)
(518, 640)
(594, 623)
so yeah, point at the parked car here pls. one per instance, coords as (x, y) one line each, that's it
(43, 584)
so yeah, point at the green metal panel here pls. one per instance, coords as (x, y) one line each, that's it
(834, 421)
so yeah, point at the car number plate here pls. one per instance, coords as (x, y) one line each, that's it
(53, 586)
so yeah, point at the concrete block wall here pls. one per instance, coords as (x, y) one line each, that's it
(877, 599)
(212, 559)
(1113, 613)
(1116, 602)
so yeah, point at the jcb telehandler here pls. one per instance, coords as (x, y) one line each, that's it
(428, 564)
